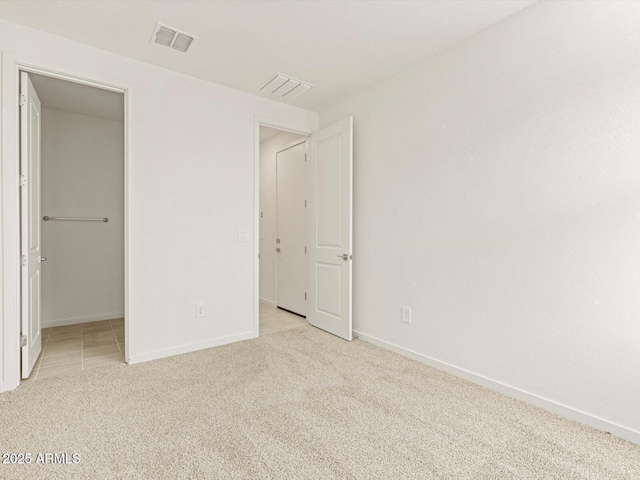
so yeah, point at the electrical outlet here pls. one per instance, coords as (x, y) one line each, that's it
(406, 314)
(199, 309)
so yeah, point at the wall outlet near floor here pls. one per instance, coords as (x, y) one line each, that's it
(199, 309)
(406, 314)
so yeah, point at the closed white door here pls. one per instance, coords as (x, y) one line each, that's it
(30, 119)
(291, 218)
(330, 228)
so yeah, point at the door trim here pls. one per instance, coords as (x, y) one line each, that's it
(10, 316)
(265, 122)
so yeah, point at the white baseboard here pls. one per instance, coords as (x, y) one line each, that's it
(538, 401)
(268, 302)
(191, 347)
(74, 320)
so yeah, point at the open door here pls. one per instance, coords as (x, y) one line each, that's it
(30, 115)
(330, 228)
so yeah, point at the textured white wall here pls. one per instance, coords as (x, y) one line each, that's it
(268, 272)
(191, 174)
(497, 194)
(82, 176)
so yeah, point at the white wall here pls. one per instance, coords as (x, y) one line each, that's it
(191, 186)
(497, 194)
(268, 272)
(82, 176)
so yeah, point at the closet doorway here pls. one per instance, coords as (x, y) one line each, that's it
(72, 206)
(283, 230)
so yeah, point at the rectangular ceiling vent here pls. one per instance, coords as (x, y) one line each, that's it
(286, 87)
(172, 38)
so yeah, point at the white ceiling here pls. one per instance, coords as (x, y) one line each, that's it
(76, 98)
(340, 47)
(267, 132)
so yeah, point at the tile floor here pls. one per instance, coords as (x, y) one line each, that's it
(274, 320)
(73, 348)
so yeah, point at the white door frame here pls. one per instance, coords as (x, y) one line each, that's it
(265, 122)
(10, 316)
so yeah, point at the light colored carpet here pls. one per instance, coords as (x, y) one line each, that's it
(298, 404)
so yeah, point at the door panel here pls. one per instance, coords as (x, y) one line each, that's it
(291, 218)
(329, 178)
(330, 228)
(30, 120)
(328, 278)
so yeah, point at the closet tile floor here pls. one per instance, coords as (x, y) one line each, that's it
(73, 348)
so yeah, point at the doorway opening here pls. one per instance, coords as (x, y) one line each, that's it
(72, 215)
(282, 230)
(319, 271)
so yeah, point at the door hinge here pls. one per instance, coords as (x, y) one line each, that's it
(305, 295)
(305, 249)
(23, 341)
(305, 204)
(24, 260)
(23, 99)
(22, 181)
(305, 157)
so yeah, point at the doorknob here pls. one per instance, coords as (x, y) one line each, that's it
(345, 256)
(43, 259)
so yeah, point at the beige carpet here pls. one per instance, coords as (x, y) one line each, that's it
(299, 404)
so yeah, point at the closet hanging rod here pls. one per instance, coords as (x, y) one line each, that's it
(46, 218)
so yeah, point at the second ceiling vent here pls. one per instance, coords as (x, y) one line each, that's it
(172, 38)
(284, 86)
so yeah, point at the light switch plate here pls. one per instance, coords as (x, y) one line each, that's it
(243, 234)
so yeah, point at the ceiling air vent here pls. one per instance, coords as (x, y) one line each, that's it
(284, 86)
(172, 38)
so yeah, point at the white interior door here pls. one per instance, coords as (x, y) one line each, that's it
(291, 220)
(30, 119)
(330, 228)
